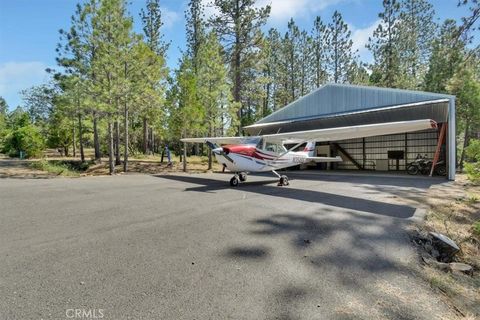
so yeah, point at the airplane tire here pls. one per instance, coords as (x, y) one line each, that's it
(234, 181)
(243, 177)
(284, 181)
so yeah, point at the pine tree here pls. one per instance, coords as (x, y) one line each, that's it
(466, 88)
(339, 48)
(238, 26)
(470, 23)
(306, 63)
(448, 52)
(214, 90)
(76, 54)
(384, 46)
(112, 31)
(3, 106)
(319, 50)
(186, 115)
(291, 46)
(152, 24)
(416, 30)
(273, 72)
(195, 28)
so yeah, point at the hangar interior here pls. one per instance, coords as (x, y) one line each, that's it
(340, 105)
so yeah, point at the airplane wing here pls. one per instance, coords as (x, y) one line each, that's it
(343, 133)
(223, 140)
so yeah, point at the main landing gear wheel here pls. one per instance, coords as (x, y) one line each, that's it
(283, 181)
(234, 181)
(243, 177)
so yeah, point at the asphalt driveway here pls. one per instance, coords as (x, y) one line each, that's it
(190, 247)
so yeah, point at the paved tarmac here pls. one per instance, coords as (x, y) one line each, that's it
(190, 247)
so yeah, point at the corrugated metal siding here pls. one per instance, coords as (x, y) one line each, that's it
(338, 98)
(376, 148)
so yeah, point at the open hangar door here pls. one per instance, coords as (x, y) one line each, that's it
(386, 153)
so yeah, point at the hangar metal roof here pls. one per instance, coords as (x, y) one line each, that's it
(336, 105)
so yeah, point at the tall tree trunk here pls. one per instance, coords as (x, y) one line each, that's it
(74, 138)
(125, 137)
(111, 165)
(145, 135)
(152, 141)
(96, 141)
(80, 137)
(184, 158)
(210, 151)
(236, 84)
(466, 138)
(196, 147)
(117, 143)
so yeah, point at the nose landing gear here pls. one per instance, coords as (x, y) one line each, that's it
(242, 176)
(234, 181)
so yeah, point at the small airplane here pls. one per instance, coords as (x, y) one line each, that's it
(242, 155)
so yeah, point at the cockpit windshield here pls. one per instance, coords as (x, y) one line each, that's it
(252, 140)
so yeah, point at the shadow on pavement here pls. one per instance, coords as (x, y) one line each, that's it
(364, 275)
(263, 187)
(362, 261)
(252, 253)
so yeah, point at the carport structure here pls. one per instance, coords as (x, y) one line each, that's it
(339, 105)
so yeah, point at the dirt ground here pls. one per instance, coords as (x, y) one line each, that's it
(453, 210)
(16, 168)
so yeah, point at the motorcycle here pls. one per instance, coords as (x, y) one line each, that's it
(424, 166)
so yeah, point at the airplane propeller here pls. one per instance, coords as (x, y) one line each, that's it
(218, 151)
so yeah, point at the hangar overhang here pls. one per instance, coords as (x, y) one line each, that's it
(435, 109)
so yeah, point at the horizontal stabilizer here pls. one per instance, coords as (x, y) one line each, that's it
(325, 159)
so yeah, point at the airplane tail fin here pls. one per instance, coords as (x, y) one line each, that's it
(310, 148)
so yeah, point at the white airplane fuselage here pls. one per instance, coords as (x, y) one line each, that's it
(248, 158)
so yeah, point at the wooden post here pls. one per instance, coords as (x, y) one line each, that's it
(441, 139)
(184, 157)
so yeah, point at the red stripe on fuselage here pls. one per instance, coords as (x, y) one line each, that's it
(247, 150)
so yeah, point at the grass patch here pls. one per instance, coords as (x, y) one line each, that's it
(61, 168)
(455, 211)
(476, 228)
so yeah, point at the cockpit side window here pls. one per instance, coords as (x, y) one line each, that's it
(274, 147)
(271, 147)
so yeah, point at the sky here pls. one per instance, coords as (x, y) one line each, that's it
(29, 30)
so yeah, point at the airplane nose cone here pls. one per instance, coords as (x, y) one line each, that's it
(217, 151)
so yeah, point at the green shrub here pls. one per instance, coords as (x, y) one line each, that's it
(58, 168)
(476, 228)
(472, 151)
(473, 154)
(473, 171)
(27, 139)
